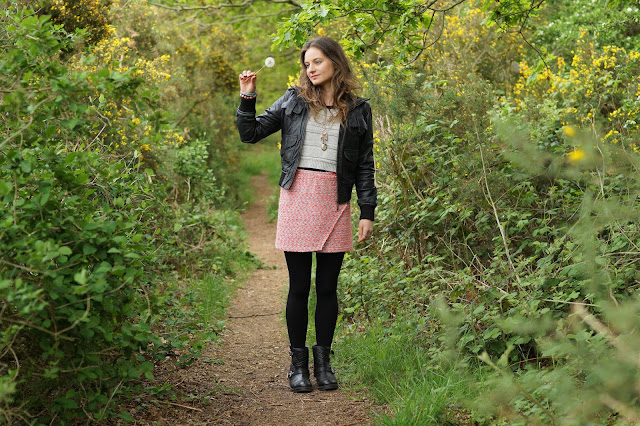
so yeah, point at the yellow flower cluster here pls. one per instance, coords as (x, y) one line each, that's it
(173, 138)
(600, 89)
(115, 53)
(91, 15)
(126, 132)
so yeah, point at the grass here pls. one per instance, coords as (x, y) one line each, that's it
(214, 295)
(386, 362)
(263, 157)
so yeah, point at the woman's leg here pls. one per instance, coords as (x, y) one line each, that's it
(299, 265)
(327, 271)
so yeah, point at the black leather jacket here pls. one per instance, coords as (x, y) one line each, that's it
(355, 164)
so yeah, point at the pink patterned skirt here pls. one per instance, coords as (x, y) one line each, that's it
(309, 218)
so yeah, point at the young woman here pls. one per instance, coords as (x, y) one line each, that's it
(326, 149)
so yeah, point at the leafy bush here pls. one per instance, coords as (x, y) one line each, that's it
(89, 15)
(73, 251)
(507, 194)
(89, 251)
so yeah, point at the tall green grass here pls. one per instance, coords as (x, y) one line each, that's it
(387, 362)
(213, 293)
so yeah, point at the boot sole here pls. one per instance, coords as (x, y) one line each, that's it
(328, 387)
(302, 390)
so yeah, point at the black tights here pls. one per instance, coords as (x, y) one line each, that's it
(327, 270)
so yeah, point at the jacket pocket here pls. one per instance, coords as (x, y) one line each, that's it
(357, 125)
(293, 106)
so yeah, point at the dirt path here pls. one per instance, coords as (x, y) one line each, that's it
(243, 380)
(255, 349)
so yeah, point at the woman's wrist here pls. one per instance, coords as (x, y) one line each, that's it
(248, 95)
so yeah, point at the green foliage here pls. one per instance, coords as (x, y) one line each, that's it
(72, 15)
(191, 165)
(507, 193)
(594, 373)
(614, 25)
(406, 28)
(89, 248)
(73, 253)
(389, 360)
(259, 160)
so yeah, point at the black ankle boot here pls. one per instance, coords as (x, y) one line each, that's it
(299, 371)
(325, 375)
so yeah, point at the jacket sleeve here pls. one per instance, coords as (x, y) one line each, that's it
(253, 129)
(365, 178)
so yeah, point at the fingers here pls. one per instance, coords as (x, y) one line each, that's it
(247, 76)
(364, 232)
(247, 81)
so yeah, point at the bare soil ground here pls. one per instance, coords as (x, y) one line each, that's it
(246, 383)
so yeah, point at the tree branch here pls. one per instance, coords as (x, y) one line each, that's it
(245, 3)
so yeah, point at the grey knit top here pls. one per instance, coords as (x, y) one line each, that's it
(312, 155)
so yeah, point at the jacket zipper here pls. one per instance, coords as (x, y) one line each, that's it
(339, 164)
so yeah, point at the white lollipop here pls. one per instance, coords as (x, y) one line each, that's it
(269, 62)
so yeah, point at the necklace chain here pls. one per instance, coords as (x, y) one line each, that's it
(324, 135)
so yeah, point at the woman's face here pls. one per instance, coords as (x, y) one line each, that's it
(319, 68)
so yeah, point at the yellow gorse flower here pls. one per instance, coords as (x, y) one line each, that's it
(576, 155)
(569, 131)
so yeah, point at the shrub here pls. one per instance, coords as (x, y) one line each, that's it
(89, 15)
(74, 292)
(89, 250)
(506, 199)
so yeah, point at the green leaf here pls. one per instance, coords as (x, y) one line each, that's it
(65, 251)
(478, 310)
(25, 166)
(69, 404)
(126, 417)
(81, 178)
(5, 187)
(46, 192)
(70, 124)
(81, 277)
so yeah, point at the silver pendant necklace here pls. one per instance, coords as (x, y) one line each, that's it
(324, 135)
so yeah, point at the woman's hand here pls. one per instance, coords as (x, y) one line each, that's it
(248, 81)
(365, 229)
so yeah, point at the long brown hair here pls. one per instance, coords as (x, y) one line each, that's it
(343, 81)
